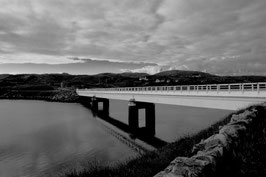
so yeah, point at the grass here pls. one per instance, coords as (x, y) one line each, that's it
(252, 154)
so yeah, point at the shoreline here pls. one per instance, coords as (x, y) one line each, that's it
(58, 95)
(38, 99)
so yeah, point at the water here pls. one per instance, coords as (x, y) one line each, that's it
(173, 122)
(40, 138)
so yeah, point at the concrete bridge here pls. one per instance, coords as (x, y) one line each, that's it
(216, 96)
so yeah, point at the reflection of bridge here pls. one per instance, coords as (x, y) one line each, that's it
(217, 96)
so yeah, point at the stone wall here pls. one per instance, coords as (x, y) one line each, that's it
(220, 152)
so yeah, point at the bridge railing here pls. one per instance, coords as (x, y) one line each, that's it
(244, 87)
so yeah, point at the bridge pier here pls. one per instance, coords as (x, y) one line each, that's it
(86, 101)
(95, 105)
(133, 117)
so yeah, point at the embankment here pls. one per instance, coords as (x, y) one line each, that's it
(225, 153)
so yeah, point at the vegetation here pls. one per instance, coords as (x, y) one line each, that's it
(252, 161)
(174, 77)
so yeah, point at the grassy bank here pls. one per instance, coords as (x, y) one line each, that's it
(252, 154)
(252, 162)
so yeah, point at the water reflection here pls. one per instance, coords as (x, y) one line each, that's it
(102, 111)
(64, 138)
(171, 121)
(142, 133)
(47, 139)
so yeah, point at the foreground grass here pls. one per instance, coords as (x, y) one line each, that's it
(252, 154)
(155, 161)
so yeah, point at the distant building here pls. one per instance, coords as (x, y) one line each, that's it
(143, 78)
(196, 76)
(159, 81)
(62, 84)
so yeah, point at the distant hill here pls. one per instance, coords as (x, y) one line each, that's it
(181, 73)
(126, 74)
(174, 77)
(136, 75)
(61, 87)
(2, 76)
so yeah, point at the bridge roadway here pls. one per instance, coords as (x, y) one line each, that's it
(217, 96)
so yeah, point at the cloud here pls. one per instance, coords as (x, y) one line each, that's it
(35, 58)
(146, 69)
(153, 69)
(101, 29)
(73, 66)
(183, 34)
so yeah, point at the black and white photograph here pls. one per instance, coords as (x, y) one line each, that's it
(132, 88)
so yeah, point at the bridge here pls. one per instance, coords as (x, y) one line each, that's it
(216, 96)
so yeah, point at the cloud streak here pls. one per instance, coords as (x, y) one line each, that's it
(78, 66)
(221, 36)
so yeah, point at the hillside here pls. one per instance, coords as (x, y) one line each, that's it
(182, 73)
(174, 77)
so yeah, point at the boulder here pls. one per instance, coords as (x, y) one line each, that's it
(213, 141)
(233, 131)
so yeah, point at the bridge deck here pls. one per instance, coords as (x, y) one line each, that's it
(223, 96)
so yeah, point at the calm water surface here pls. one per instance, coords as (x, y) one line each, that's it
(172, 121)
(40, 138)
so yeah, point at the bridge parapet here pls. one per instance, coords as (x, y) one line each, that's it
(237, 89)
(217, 96)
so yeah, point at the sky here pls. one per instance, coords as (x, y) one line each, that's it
(224, 37)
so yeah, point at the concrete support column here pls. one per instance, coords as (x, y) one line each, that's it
(105, 106)
(94, 104)
(133, 117)
(86, 101)
(150, 119)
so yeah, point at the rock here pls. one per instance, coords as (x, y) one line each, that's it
(208, 159)
(185, 161)
(217, 150)
(246, 116)
(187, 167)
(213, 141)
(233, 131)
(164, 174)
